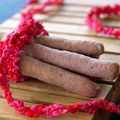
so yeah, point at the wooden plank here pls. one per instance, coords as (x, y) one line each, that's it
(65, 19)
(7, 113)
(113, 57)
(77, 11)
(92, 2)
(77, 32)
(76, 6)
(64, 22)
(69, 14)
(57, 13)
(39, 97)
(38, 86)
(111, 45)
(62, 28)
(33, 94)
(111, 97)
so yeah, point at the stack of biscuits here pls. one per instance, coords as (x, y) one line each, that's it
(70, 64)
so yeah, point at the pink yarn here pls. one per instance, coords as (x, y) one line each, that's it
(94, 23)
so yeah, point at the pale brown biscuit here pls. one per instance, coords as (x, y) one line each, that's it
(89, 48)
(105, 69)
(57, 76)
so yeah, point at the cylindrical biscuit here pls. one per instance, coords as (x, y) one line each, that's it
(89, 48)
(57, 76)
(75, 62)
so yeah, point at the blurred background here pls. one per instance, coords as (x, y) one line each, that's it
(9, 8)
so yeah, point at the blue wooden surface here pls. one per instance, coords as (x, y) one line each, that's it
(9, 8)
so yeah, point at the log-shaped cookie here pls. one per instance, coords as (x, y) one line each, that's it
(89, 48)
(57, 76)
(75, 62)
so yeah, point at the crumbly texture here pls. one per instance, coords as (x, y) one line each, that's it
(57, 76)
(82, 64)
(89, 48)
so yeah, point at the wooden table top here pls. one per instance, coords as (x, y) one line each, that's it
(68, 22)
